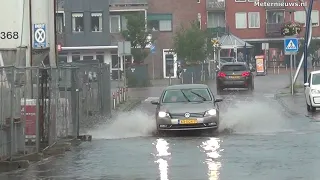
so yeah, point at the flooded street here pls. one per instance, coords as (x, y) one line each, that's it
(257, 140)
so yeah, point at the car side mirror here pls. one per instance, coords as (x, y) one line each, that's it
(306, 84)
(218, 100)
(155, 102)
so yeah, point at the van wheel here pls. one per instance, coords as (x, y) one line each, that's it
(312, 109)
(308, 107)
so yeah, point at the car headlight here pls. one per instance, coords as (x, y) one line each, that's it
(211, 112)
(162, 114)
(315, 91)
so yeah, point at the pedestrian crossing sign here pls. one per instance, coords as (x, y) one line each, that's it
(291, 46)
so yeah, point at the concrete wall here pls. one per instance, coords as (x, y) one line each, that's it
(87, 38)
(14, 17)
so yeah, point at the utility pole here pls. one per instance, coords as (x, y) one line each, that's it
(305, 63)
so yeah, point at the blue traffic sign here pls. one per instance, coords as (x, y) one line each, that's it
(291, 45)
(153, 48)
(39, 40)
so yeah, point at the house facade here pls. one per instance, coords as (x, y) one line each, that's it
(165, 18)
(119, 9)
(92, 29)
(83, 30)
(256, 22)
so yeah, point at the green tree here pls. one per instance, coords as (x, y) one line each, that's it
(190, 44)
(312, 48)
(137, 34)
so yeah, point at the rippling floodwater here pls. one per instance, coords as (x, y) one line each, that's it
(257, 140)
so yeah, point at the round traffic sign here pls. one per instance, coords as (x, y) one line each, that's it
(40, 35)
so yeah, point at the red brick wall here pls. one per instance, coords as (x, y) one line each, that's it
(232, 7)
(183, 11)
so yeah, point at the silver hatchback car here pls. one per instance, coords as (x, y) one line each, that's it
(187, 107)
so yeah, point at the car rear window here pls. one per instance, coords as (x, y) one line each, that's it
(176, 95)
(234, 68)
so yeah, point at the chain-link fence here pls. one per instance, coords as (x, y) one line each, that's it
(40, 106)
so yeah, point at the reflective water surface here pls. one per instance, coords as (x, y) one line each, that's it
(258, 140)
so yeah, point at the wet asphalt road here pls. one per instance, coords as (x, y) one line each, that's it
(258, 140)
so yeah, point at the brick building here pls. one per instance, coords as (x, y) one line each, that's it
(166, 17)
(257, 24)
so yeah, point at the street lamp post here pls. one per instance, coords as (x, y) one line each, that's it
(308, 40)
(308, 23)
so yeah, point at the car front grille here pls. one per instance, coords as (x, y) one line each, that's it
(182, 115)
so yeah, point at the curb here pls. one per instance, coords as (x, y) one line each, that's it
(134, 103)
(278, 97)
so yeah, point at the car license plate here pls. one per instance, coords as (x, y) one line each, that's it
(234, 77)
(188, 121)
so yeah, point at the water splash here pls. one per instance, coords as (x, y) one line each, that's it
(126, 125)
(254, 117)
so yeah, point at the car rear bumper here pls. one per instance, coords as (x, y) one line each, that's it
(167, 124)
(234, 83)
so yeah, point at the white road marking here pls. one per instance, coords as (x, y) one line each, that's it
(149, 99)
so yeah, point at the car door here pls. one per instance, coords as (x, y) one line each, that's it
(307, 90)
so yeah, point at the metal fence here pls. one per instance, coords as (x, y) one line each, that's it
(40, 106)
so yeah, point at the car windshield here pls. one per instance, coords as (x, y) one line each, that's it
(186, 95)
(234, 68)
(316, 79)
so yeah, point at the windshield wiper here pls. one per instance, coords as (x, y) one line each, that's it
(203, 98)
(184, 95)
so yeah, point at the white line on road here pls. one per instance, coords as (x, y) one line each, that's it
(151, 99)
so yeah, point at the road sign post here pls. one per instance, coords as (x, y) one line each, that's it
(153, 51)
(265, 48)
(291, 47)
(124, 49)
(40, 34)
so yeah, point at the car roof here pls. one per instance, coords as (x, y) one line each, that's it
(186, 86)
(234, 63)
(315, 72)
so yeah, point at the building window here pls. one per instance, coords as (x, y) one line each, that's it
(100, 58)
(77, 22)
(96, 22)
(75, 56)
(63, 58)
(160, 22)
(300, 16)
(59, 22)
(241, 20)
(115, 61)
(275, 17)
(198, 1)
(199, 20)
(254, 19)
(87, 58)
(240, 0)
(114, 24)
(124, 22)
(216, 19)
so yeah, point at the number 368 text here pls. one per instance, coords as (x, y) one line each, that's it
(9, 35)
